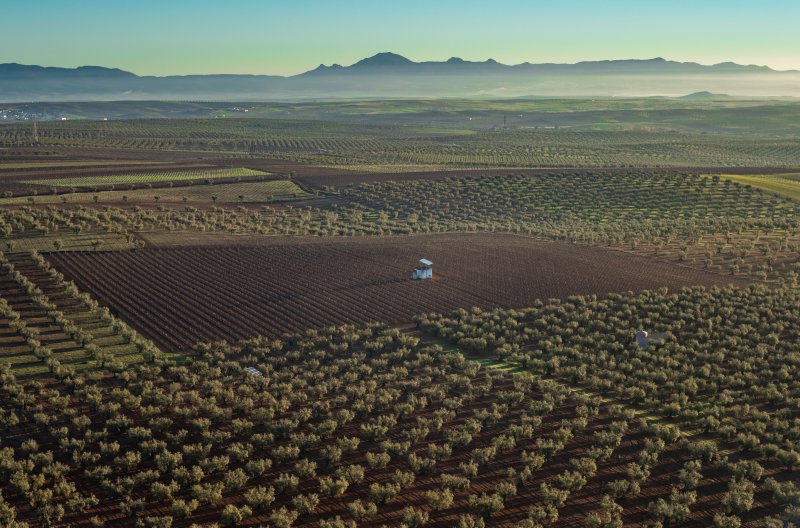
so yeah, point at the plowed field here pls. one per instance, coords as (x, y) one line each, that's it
(179, 296)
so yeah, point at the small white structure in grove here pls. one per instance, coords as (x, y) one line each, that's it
(254, 372)
(641, 339)
(424, 271)
(644, 338)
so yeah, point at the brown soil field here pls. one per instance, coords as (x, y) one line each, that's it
(179, 296)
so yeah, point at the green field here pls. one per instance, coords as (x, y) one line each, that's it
(787, 185)
(153, 177)
(249, 192)
(56, 163)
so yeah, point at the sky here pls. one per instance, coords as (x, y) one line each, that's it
(285, 37)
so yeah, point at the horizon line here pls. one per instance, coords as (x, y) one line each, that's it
(444, 61)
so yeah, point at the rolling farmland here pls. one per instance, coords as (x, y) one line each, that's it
(212, 323)
(354, 145)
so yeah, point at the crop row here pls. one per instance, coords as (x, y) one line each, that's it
(721, 360)
(50, 326)
(349, 426)
(680, 211)
(338, 144)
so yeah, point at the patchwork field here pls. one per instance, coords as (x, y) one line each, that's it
(180, 296)
(507, 392)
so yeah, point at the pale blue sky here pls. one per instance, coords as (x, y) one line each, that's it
(290, 36)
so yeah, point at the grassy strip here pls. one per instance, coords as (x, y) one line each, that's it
(55, 164)
(786, 185)
(161, 176)
(249, 192)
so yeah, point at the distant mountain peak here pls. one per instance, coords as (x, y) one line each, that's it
(385, 58)
(705, 95)
(13, 69)
(390, 74)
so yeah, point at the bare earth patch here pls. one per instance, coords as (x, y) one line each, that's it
(271, 285)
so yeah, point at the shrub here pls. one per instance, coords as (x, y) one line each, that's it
(414, 518)
(233, 516)
(378, 460)
(485, 505)
(470, 521)
(337, 522)
(383, 493)
(739, 498)
(182, 508)
(305, 504)
(439, 500)
(283, 518)
(726, 521)
(362, 509)
(260, 497)
(333, 487)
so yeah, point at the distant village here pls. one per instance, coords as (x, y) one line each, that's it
(16, 114)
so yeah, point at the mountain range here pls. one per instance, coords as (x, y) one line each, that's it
(392, 75)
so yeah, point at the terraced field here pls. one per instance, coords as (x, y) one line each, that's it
(48, 325)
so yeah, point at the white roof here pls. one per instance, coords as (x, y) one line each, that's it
(425, 262)
(254, 371)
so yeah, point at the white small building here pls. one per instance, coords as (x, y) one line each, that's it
(644, 338)
(423, 271)
(254, 372)
(641, 339)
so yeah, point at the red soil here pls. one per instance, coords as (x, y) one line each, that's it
(178, 297)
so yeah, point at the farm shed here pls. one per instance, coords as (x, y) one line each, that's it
(423, 271)
(644, 338)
